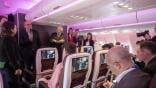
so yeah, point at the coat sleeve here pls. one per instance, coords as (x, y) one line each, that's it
(13, 54)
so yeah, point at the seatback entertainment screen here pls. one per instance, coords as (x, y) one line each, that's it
(80, 63)
(48, 54)
(87, 50)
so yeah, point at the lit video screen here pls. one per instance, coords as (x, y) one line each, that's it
(87, 50)
(80, 63)
(48, 54)
(103, 58)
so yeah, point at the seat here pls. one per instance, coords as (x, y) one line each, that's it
(64, 54)
(46, 60)
(1, 81)
(99, 71)
(74, 73)
(87, 49)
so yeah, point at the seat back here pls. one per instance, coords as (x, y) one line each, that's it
(87, 49)
(100, 68)
(1, 81)
(64, 54)
(76, 71)
(46, 60)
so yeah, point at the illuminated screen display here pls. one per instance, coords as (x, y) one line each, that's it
(103, 58)
(87, 50)
(80, 63)
(48, 54)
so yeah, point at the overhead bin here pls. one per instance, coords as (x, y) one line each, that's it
(147, 16)
(46, 6)
(56, 8)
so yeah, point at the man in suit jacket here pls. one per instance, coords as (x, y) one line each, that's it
(147, 53)
(29, 43)
(128, 75)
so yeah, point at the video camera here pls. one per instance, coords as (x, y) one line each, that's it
(142, 33)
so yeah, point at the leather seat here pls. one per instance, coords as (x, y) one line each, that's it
(100, 69)
(46, 60)
(75, 72)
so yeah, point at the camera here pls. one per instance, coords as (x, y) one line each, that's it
(142, 33)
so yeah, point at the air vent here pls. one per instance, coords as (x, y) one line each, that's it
(117, 24)
(57, 7)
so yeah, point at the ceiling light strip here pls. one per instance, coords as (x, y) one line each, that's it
(60, 9)
(119, 26)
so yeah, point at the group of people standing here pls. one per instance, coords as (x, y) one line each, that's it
(80, 40)
(17, 51)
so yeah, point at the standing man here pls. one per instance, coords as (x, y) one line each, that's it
(57, 40)
(29, 43)
(128, 75)
(147, 53)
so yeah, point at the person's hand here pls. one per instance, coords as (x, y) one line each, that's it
(18, 72)
(61, 41)
(108, 84)
(54, 40)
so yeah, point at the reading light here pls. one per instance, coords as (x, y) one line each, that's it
(115, 32)
(125, 6)
(60, 9)
(130, 8)
(126, 31)
(116, 2)
(121, 4)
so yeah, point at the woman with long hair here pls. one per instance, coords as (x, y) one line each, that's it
(89, 40)
(10, 59)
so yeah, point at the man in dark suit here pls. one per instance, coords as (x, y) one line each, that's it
(29, 43)
(57, 40)
(128, 74)
(147, 53)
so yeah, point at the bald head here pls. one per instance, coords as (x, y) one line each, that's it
(118, 59)
(119, 54)
(59, 29)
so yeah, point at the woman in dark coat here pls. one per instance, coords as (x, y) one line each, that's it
(10, 60)
(89, 40)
